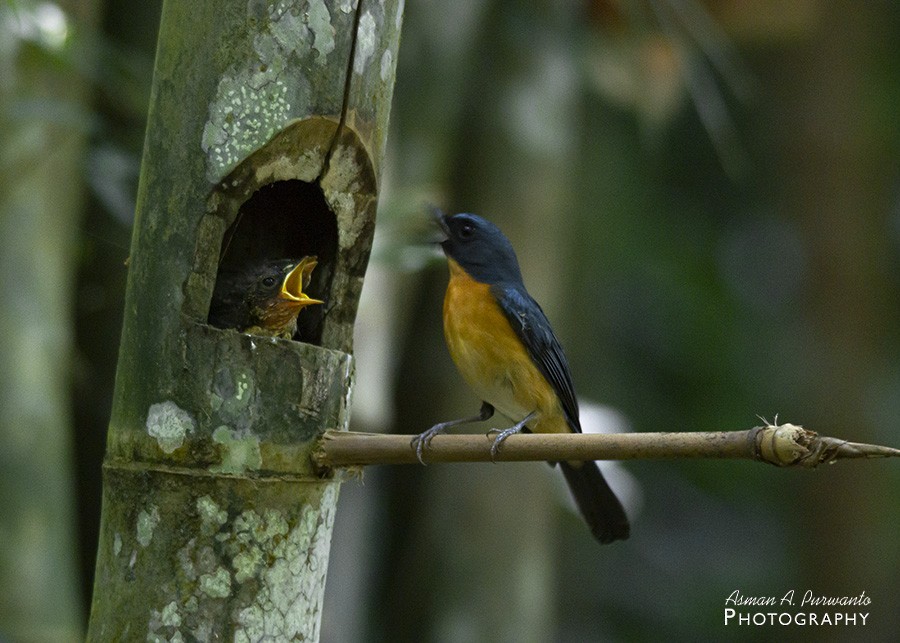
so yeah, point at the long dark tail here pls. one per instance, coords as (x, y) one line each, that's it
(596, 501)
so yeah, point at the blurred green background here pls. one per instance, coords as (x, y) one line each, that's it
(705, 198)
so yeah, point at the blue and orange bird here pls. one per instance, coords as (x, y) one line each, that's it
(505, 350)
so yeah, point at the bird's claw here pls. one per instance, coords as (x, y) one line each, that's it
(518, 427)
(501, 436)
(422, 442)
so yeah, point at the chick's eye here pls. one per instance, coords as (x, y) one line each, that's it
(466, 231)
(268, 282)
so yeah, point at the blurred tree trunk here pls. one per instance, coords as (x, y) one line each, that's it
(127, 42)
(43, 128)
(841, 189)
(479, 541)
(215, 524)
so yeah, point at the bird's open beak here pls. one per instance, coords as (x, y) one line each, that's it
(440, 219)
(298, 279)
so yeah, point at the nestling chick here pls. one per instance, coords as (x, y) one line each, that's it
(263, 298)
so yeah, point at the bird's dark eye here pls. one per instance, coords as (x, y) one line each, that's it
(466, 231)
(268, 282)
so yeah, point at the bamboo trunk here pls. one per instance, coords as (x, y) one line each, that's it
(215, 524)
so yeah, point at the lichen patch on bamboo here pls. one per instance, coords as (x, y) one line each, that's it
(147, 521)
(216, 584)
(365, 46)
(169, 616)
(232, 395)
(239, 451)
(287, 27)
(169, 424)
(249, 107)
(185, 561)
(247, 564)
(295, 579)
(342, 187)
(387, 66)
(320, 24)
(211, 516)
(274, 560)
(253, 99)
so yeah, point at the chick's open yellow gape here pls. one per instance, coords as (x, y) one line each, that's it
(297, 280)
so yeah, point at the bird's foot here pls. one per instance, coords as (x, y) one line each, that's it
(518, 427)
(422, 441)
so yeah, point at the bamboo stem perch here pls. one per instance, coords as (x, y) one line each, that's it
(782, 445)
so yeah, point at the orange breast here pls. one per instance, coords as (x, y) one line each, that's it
(491, 358)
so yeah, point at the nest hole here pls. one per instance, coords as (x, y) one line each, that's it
(282, 220)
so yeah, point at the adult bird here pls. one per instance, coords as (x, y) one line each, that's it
(262, 297)
(506, 351)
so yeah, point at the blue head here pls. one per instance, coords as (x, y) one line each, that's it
(479, 247)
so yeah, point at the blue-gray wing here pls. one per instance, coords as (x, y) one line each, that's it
(530, 324)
